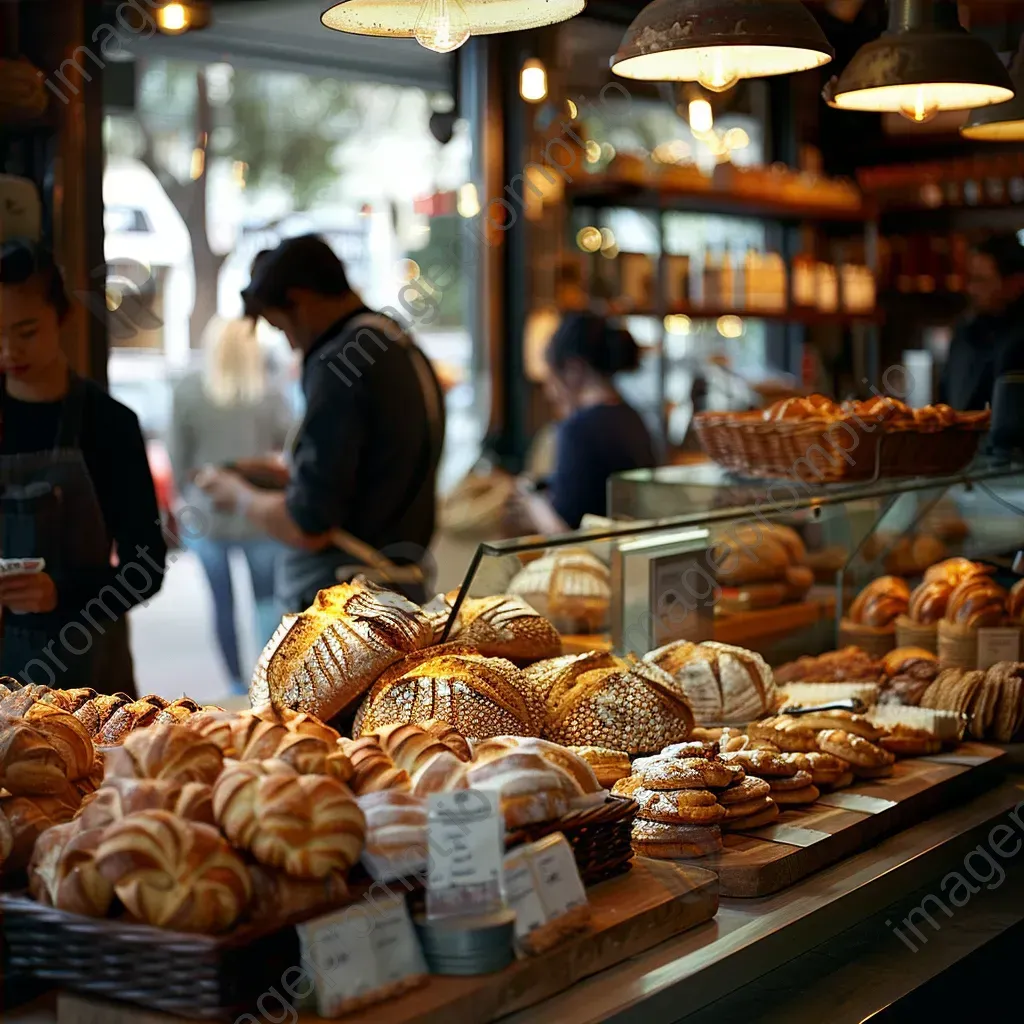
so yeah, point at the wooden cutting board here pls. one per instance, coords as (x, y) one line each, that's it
(632, 913)
(767, 860)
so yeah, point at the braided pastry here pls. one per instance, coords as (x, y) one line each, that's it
(28, 817)
(173, 753)
(63, 872)
(372, 768)
(173, 873)
(307, 825)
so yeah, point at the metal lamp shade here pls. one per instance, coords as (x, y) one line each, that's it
(1003, 122)
(399, 18)
(925, 62)
(705, 40)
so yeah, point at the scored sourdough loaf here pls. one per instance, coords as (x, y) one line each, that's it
(480, 696)
(724, 685)
(546, 682)
(635, 707)
(332, 653)
(571, 587)
(505, 626)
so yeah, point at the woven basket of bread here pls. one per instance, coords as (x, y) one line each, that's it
(917, 634)
(195, 976)
(875, 640)
(600, 837)
(957, 645)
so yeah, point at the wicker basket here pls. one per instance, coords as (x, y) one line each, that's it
(195, 976)
(916, 634)
(958, 646)
(927, 453)
(811, 451)
(876, 640)
(600, 837)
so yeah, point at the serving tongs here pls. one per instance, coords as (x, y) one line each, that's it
(854, 704)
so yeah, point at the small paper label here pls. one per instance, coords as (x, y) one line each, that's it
(960, 760)
(466, 834)
(791, 835)
(1000, 643)
(856, 802)
(561, 888)
(359, 949)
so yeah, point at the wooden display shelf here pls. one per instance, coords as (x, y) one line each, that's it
(744, 629)
(762, 862)
(631, 914)
(794, 315)
(603, 192)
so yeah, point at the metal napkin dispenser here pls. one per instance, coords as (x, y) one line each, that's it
(664, 588)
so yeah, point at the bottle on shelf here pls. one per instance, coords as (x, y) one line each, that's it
(727, 285)
(711, 279)
(826, 287)
(805, 285)
(677, 281)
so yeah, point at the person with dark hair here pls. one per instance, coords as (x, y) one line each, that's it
(75, 490)
(363, 470)
(599, 434)
(991, 341)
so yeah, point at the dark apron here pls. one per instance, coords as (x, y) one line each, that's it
(49, 509)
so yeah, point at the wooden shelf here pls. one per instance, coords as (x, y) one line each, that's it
(604, 193)
(807, 317)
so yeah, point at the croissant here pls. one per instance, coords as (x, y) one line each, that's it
(125, 719)
(928, 601)
(373, 769)
(119, 797)
(977, 601)
(67, 735)
(450, 736)
(216, 726)
(881, 602)
(63, 871)
(173, 873)
(28, 817)
(1015, 602)
(306, 753)
(306, 825)
(195, 803)
(29, 763)
(174, 753)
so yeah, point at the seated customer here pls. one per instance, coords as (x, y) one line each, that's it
(599, 433)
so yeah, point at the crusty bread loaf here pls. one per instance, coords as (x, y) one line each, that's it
(259, 687)
(174, 873)
(29, 762)
(588, 790)
(67, 735)
(754, 553)
(569, 586)
(96, 712)
(724, 685)
(332, 653)
(305, 825)
(175, 754)
(479, 696)
(505, 626)
(546, 682)
(637, 708)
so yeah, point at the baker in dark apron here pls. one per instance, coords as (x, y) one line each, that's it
(49, 510)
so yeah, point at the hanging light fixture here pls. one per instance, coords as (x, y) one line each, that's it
(444, 25)
(718, 42)
(1003, 122)
(533, 81)
(924, 63)
(175, 17)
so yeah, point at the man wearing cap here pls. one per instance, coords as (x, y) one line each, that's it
(991, 342)
(363, 470)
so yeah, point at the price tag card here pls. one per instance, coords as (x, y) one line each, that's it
(521, 892)
(466, 836)
(1000, 643)
(355, 951)
(558, 878)
(791, 835)
(856, 802)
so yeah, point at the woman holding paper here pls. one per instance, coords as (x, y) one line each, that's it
(75, 488)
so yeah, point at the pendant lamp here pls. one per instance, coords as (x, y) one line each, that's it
(444, 25)
(175, 17)
(718, 42)
(924, 63)
(1003, 122)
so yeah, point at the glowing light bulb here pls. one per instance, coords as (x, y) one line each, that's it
(702, 119)
(920, 109)
(442, 26)
(173, 18)
(730, 326)
(468, 201)
(533, 81)
(717, 73)
(736, 138)
(677, 323)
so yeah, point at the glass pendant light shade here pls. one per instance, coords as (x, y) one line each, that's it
(924, 63)
(444, 25)
(1003, 122)
(718, 42)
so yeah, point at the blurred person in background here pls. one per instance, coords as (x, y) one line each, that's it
(228, 416)
(990, 342)
(599, 433)
(75, 490)
(362, 474)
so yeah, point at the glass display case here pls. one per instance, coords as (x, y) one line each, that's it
(692, 552)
